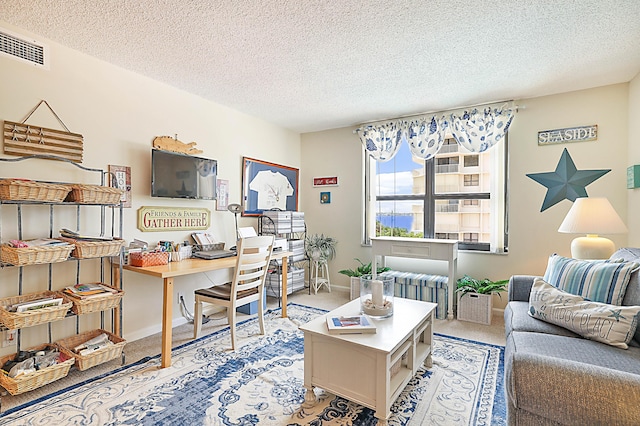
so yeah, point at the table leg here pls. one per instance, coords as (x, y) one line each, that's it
(284, 286)
(167, 318)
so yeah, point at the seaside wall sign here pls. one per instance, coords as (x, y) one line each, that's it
(569, 134)
(154, 218)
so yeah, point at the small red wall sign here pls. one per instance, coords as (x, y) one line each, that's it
(325, 181)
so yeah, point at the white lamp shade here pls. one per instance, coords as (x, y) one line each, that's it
(592, 215)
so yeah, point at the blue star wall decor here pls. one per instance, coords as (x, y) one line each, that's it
(566, 181)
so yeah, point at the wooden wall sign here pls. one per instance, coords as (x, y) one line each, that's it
(24, 139)
(325, 181)
(570, 134)
(154, 218)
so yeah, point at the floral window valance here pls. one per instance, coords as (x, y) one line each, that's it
(476, 131)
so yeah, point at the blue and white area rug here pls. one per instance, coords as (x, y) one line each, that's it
(261, 383)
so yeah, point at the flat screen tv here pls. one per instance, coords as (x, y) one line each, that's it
(175, 175)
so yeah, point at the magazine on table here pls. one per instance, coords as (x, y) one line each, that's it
(350, 324)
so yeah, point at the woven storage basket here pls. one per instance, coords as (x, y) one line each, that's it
(29, 190)
(13, 320)
(149, 259)
(89, 249)
(94, 194)
(100, 356)
(31, 381)
(96, 304)
(34, 255)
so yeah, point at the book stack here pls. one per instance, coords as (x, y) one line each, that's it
(89, 291)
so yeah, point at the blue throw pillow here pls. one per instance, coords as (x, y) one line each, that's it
(596, 280)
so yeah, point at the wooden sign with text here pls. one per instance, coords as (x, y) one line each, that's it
(570, 134)
(325, 181)
(153, 218)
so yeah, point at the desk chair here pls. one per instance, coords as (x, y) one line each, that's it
(252, 265)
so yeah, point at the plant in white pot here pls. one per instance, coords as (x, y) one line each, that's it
(355, 274)
(475, 300)
(320, 248)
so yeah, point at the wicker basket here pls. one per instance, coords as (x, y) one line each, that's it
(89, 249)
(13, 320)
(153, 258)
(100, 356)
(34, 255)
(96, 304)
(29, 190)
(94, 194)
(31, 381)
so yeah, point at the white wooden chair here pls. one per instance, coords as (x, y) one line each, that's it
(252, 265)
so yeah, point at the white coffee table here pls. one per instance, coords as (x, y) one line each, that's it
(358, 367)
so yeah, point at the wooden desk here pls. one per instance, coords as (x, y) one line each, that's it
(188, 267)
(420, 248)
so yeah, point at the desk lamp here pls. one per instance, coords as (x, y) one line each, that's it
(592, 216)
(235, 209)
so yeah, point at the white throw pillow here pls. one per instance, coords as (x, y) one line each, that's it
(610, 324)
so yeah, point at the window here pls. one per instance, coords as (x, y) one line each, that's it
(411, 197)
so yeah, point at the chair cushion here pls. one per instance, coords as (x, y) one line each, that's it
(613, 325)
(595, 280)
(223, 291)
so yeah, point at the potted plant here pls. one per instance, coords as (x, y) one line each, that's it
(320, 248)
(355, 274)
(475, 301)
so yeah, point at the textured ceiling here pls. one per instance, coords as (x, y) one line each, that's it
(313, 65)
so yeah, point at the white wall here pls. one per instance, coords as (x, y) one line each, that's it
(634, 158)
(119, 113)
(533, 234)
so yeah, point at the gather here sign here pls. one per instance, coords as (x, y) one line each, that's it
(153, 218)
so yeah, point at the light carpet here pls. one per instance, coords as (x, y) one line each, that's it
(261, 383)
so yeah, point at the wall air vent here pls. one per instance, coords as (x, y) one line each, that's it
(23, 49)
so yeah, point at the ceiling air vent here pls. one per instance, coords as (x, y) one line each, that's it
(22, 49)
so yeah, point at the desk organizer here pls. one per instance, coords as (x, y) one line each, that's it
(94, 194)
(21, 256)
(31, 381)
(153, 258)
(84, 362)
(14, 320)
(88, 249)
(30, 190)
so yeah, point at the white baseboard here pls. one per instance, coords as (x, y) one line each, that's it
(149, 331)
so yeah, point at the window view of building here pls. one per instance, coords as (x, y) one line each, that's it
(456, 195)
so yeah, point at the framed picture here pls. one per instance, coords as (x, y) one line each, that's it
(325, 197)
(120, 177)
(222, 194)
(268, 186)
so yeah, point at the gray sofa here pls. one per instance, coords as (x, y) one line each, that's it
(554, 376)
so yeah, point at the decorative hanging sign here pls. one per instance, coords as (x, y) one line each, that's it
(25, 139)
(570, 134)
(154, 218)
(325, 181)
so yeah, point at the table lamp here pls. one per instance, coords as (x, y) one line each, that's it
(235, 209)
(592, 216)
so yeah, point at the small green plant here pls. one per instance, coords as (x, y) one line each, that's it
(319, 247)
(467, 284)
(363, 269)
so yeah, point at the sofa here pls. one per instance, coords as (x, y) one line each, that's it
(555, 376)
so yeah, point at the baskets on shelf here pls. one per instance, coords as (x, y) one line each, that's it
(31, 381)
(96, 304)
(97, 357)
(88, 249)
(94, 194)
(13, 320)
(153, 258)
(20, 256)
(30, 190)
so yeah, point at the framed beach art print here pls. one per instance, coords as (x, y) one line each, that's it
(268, 186)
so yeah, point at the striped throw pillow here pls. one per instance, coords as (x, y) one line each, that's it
(602, 281)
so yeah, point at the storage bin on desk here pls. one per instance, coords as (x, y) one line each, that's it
(14, 320)
(97, 357)
(31, 381)
(424, 287)
(155, 258)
